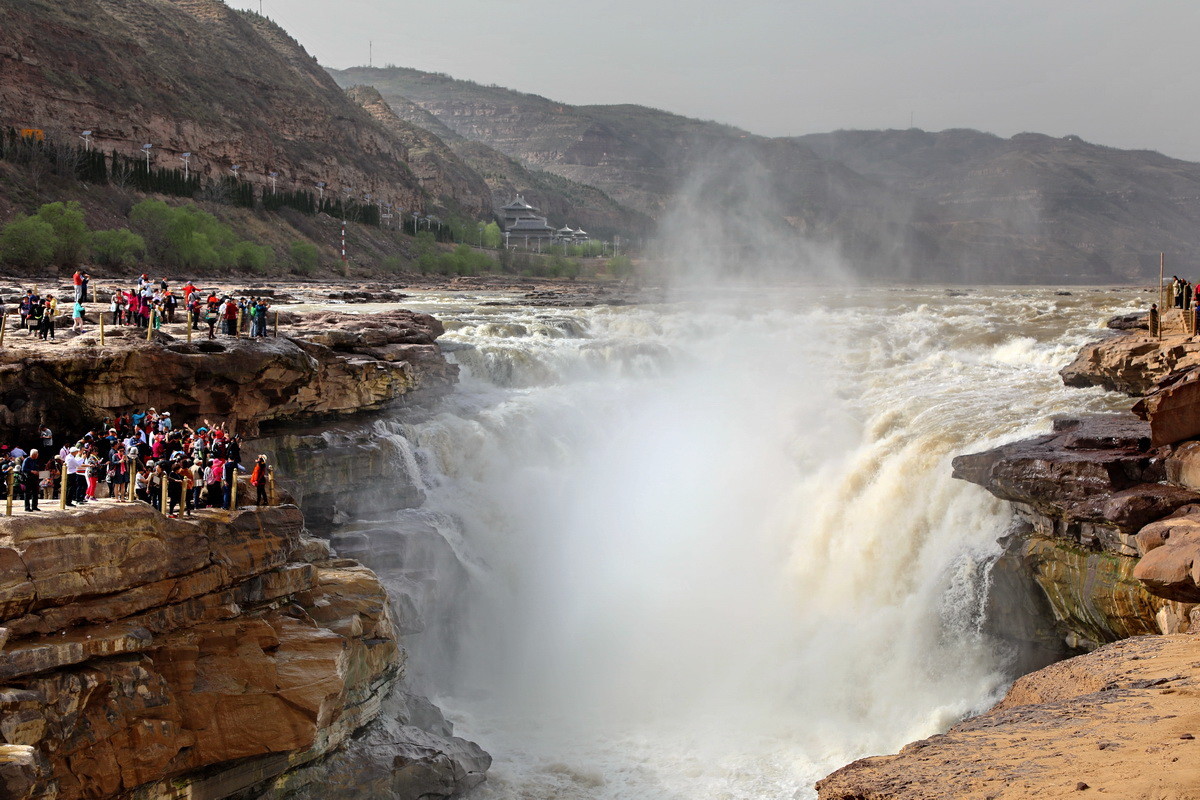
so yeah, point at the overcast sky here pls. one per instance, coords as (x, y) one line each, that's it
(1116, 72)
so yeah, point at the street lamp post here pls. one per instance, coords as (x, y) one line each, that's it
(186, 158)
(273, 175)
(146, 148)
(87, 140)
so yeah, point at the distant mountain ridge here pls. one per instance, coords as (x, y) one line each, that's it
(902, 204)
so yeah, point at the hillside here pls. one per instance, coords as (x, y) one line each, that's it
(438, 154)
(192, 76)
(1053, 201)
(956, 205)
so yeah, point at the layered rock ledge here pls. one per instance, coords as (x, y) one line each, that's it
(322, 366)
(151, 657)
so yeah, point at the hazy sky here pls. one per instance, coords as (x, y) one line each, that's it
(1115, 72)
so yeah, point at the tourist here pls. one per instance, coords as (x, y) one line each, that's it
(77, 280)
(25, 307)
(76, 483)
(31, 480)
(212, 480)
(77, 317)
(229, 313)
(118, 473)
(91, 473)
(259, 479)
(46, 322)
(210, 318)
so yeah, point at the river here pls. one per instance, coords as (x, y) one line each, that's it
(712, 548)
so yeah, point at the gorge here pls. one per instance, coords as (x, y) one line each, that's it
(624, 545)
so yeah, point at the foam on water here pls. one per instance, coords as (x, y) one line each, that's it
(716, 552)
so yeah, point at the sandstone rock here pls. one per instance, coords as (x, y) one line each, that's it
(1087, 470)
(1132, 363)
(392, 760)
(1173, 408)
(1170, 564)
(249, 382)
(213, 649)
(1136, 697)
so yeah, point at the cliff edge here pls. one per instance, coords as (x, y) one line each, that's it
(152, 657)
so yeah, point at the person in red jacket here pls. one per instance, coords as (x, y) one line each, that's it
(259, 479)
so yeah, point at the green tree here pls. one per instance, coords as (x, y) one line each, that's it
(28, 242)
(152, 220)
(304, 257)
(256, 258)
(70, 231)
(492, 236)
(426, 242)
(120, 248)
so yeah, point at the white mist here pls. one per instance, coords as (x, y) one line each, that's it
(717, 553)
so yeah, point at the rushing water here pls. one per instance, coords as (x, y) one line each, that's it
(714, 549)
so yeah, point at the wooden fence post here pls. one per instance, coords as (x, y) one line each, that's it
(233, 493)
(12, 483)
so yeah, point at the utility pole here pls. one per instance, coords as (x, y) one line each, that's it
(370, 52)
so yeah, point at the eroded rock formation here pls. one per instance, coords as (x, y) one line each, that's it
(209, 655)
(325, 366)
(1120, 721)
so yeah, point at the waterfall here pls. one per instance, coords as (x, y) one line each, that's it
(715, 551)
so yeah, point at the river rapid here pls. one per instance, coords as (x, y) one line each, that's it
(712, 548)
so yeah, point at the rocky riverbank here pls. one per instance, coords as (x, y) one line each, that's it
(224, 656)
(1108, 539)
(204, 657)
(321, 366)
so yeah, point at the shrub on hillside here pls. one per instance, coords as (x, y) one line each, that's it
(304, 257)
(256, 258)
(186, 237)
(121, 248)
(28, 242)
(70, 231)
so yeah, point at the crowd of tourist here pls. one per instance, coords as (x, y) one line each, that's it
(142, 451)
(150, 304)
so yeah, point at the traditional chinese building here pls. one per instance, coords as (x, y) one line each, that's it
(523, 224)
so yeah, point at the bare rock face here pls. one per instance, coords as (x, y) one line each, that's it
(1120, 721)
(153, 654)
(1170, 549)
(337, 366)
(410, 752)
(1173, 408)
(1095, 478)
(1082, 494)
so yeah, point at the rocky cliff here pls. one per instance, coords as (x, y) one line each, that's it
(226, 656)
(152, 657)
(321, 367)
